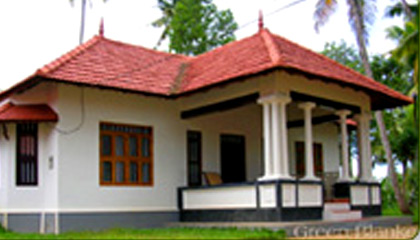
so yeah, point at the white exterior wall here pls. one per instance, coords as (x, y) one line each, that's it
(268, 195)
(28, 199)
(310, 195)
(286, 82)
(244, 121)
(73, 182)
(359, 195)
(288, 195)
(79, 188)
(325, 134)
(237, 197)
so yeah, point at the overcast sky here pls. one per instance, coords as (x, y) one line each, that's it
(34, 33)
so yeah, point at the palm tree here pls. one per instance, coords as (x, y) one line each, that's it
(168, 11)
(407, 38)
(407, 50)
(361, 14)
(82, 18)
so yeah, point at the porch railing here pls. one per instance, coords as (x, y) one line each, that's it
(252, 201)
(365, 197)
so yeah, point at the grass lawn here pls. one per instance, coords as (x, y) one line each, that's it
(394, 211)
(168, 233)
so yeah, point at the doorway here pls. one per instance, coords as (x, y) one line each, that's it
(317, 156)
(232, 150)
(194, 158)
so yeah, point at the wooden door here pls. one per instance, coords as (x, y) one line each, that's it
(232, 149)
(194, 158)
(300, 159)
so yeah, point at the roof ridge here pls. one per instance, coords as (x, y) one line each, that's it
(348, 69)
(219, 48)
(178, 81)
(146, 49)
(50, 67)
(272, 48)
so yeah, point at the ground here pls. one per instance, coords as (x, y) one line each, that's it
(168, 233)
(398, 232)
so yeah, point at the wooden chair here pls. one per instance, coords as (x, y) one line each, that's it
(212, 178)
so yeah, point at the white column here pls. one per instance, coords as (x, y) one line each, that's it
(309, 152)
(275, 119)
(275, 136)
(365, 155)
(267, 139)
(344, 144)
(284, 159)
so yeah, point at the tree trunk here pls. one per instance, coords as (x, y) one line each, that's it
(355, 6)
(404, 178)
(82, 22)
(406, 9)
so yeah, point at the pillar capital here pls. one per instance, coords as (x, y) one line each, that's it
(343, 112)
(306, 105)
(365, 115)
(275, 97)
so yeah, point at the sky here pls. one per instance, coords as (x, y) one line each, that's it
(33, 33)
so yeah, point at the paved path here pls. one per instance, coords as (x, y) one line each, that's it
(398, 232)
(310, 228)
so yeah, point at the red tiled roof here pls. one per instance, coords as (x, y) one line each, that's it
(105, 63)
(240, 58)
(38, 113)
(113, 64)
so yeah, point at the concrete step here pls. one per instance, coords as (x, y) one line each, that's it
(342, 214)
(339, 200)
(340, 210)
(336, 206)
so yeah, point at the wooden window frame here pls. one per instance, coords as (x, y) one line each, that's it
(126, 158)
(22, 132)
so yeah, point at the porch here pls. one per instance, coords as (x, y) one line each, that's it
(289, 187)
(275, 200)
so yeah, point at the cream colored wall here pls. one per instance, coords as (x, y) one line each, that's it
(43, 93)
(244, 121)
(327, 135)
(42, 197)
(230, 91)
(287, 82)
(235, 197)
(73, 182)
(27, 198)
(79, 188)
(280, 81)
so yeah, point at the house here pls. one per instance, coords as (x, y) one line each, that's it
(116, 135)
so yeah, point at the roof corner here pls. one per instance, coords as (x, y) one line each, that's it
(48, 68)
(272, 49)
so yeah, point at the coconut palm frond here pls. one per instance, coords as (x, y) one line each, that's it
(407, 50)
(323, 10)
(362, 15)
(394, 33)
